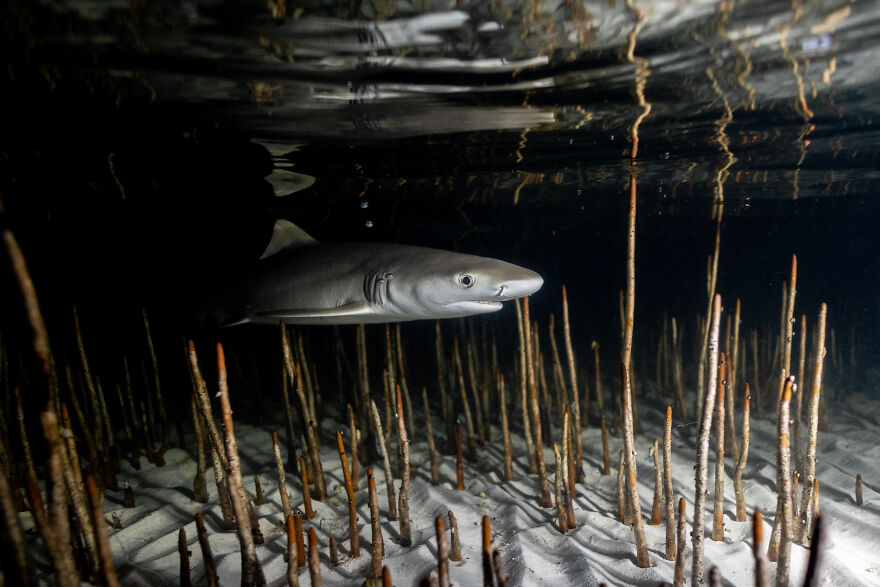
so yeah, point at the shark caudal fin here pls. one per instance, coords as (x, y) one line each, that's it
(286, 234)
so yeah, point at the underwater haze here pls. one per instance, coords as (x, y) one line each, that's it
(154, 141)
(149, 142)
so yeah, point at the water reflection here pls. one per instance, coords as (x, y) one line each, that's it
(389, 70)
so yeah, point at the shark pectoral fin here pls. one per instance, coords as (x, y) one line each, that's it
(349, 309)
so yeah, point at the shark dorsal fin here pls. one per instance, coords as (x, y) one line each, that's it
(286, 234)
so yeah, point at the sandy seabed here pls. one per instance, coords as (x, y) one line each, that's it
(600, 550)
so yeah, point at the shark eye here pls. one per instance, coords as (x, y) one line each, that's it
(466, 281)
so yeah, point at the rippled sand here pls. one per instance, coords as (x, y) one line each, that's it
(534, 552)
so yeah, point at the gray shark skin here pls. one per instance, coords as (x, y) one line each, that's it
(303, 281)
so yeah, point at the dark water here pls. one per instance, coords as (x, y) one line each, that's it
(148, 146)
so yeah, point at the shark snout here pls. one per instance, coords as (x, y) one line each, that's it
(524, 283)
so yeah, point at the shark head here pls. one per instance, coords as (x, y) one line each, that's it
(451, 285)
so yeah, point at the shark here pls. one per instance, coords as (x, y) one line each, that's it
(301, 280)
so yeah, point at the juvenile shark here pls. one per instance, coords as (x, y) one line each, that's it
(303, 281)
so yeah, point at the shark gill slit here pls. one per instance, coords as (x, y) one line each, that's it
(369, 285)
(380, 290)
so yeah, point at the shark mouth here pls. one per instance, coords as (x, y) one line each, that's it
(477, 306)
